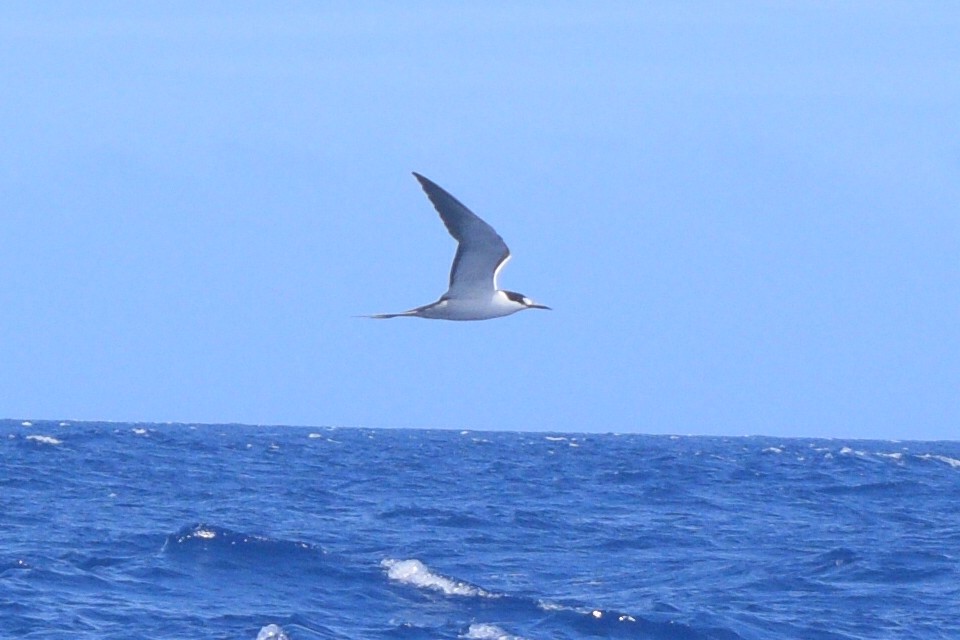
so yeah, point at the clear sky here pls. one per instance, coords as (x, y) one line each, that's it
(746, 215)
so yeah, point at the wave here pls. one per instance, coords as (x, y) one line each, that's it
(9, 566)
(488, 632)
(45, 439)
(953, 462)
(219, 543)
(588, 620)
(272, 632)
(900, 458)
(415, 573)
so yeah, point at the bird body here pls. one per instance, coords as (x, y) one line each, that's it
(495, 305)
(481, 254)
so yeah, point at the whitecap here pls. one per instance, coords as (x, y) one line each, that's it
(953, 462)
(893, 456)
(555, 438)
(314, 436)
(26, 423)
(415, 573)
(45, 439)
(272, 632)
(140, 431)
(773, 450)
(488, 632)
(847, 451)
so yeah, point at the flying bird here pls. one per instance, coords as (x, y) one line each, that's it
(481, 254)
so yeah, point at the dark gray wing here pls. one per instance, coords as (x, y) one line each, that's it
(480, 252)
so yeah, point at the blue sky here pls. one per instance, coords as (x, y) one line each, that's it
(745, 215)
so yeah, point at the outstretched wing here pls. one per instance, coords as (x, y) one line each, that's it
(481, 252)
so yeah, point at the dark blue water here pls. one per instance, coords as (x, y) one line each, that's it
(174, 531)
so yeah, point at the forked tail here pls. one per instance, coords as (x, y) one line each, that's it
(384, 316)
(409, 313)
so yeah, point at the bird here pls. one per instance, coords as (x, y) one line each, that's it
(481, 254)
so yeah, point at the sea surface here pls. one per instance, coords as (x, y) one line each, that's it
(270, 533)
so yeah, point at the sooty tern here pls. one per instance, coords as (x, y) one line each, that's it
(481, 254)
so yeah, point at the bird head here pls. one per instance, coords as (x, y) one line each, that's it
(527, 303)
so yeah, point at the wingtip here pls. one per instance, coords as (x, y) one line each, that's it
(422, 179)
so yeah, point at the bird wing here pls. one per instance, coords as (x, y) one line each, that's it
(481, 252)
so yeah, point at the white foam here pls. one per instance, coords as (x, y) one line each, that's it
(488, 632)
(140, 432)
(555, 438)
(314, 436)
(417, 574)
(26, 423)
(773, 450)
(45, 439)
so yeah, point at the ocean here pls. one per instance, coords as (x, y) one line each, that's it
(142, 531)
